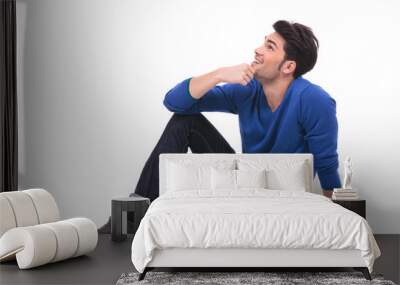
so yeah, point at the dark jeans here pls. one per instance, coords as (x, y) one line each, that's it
(181, 132)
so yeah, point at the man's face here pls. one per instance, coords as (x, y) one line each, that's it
(268, 60)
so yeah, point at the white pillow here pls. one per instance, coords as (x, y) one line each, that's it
(251, 178)
(223, 179)
(185, 177)
(293, 178)
(192, 175)
(281, 174)
(237, 179)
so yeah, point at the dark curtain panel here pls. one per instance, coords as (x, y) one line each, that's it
(8, 97)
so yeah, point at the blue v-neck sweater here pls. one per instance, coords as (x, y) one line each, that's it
(304, 122)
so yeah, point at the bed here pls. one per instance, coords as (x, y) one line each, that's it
(247, 210)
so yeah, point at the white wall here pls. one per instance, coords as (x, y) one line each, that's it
(93, 74)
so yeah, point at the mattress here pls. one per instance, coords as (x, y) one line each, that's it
(250, 218)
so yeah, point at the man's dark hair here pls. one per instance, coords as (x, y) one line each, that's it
(300, 45)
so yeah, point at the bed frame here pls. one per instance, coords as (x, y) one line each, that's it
(242, 259)
(246, 258)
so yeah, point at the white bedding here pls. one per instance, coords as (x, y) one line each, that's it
(250, 218)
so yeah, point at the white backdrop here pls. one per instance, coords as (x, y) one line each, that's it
(92, 75)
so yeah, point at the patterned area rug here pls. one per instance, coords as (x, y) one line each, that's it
(230, 278)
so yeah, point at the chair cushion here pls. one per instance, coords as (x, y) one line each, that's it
(23, 209)
(46, 243)
(7, 220)
(45, 205)
(27, 208)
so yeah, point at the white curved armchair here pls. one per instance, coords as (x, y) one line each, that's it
(31, 230)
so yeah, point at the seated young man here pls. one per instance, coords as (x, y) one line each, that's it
(279, 111)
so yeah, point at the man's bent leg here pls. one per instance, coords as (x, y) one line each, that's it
(181, 132)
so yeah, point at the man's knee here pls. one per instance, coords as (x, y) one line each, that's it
(179, 120)
(186, 118)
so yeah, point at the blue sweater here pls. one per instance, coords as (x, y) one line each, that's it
(304, 122)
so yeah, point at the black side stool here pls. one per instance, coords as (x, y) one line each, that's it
(357, 206)
(119, 208)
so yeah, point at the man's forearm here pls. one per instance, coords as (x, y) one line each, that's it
(199, 85)
(240, 74)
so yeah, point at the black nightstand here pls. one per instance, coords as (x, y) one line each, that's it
(119, 212)
(357, 206)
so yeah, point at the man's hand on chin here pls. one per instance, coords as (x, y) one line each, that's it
(327, 193)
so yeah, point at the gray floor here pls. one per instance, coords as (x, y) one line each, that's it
(102, 266)
(111, 259)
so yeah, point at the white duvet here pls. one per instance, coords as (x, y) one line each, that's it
(251, 218)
